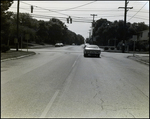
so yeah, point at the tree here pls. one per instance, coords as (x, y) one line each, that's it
(51, 31)
(27, 25)
(42, 32)
(79, 40)
(142, 26)
(101, 31)
(106, 32)
(4, 24)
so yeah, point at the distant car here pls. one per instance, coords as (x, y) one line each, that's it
(58, 44)
(92, 50)
(61, 44)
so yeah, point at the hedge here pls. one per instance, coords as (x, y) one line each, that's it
(4, 48)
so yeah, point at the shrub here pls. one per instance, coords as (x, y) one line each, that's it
(106, 48)
(4, 48)
(41, 43)
(112, 48)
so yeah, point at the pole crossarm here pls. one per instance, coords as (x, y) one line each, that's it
(124, 7)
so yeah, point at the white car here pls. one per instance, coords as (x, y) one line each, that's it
(58, 44)
(92, 50)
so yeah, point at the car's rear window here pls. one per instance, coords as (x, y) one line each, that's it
(92, 46)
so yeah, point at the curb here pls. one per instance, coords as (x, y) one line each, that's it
(32, 47)
(18, 57)
(138, 60)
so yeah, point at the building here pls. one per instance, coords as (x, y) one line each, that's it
(142, 36)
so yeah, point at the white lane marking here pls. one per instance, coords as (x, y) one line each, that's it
(49, 105)
(74, 64)
(75, 61)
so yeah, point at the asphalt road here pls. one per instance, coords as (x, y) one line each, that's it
(60, 82)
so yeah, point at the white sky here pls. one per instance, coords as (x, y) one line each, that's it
(81, 16)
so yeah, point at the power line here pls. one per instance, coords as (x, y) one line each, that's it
(83, 18)
(43, 16)
(140, 18)
(78, 6)
(87, 10)
(82, 21)
(138, 11)
(51, 10)
(46, 9)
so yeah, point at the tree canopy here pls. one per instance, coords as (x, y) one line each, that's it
(106, 31)
(4, 23)
(38, 31)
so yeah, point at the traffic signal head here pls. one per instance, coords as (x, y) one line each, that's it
(71, 20)
(31, 9)
(68, 20)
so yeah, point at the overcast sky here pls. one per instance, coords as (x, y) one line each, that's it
(80, 12)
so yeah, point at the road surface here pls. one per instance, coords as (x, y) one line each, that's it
(60, 82)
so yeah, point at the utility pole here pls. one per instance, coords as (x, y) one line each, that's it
(89, 33)
(125, 15)
(17, 26)
(93, 24)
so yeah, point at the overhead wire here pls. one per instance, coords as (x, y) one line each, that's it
(46, 9)
(87, 10)
(59, 12)
(50, 10)
(138, 11)
(77, 6)
(44, 16)
(75, 19)
(81, 18)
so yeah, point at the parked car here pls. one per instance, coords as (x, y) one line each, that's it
(92, 50)
(58, 44)
(61, 44)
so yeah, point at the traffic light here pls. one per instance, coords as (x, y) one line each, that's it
(31, 9)
(71, 20)
(68, 20)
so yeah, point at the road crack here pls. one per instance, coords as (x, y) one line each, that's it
(95, 95)
(131, 114)
(102, 101)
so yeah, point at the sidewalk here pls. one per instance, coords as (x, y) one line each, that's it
(12, 54)
(142, 58)
(40, 46)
